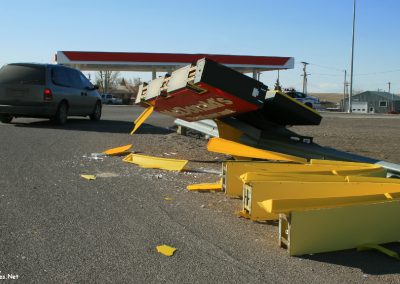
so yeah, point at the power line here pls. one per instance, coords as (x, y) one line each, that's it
(327, 67)
(323, 66)
(322, 74)
(379, 72)
(359, 74)
(342, 70)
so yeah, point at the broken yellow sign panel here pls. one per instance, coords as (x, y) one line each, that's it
(350, 168)
(156, 162)
(117, 150)
(142, 118)
(309, 177)
(259, 191)
(288, 205)
(232, 170)
(223, 146)
(339, 228)
(89, 177)
(205, 186)
(166, 250)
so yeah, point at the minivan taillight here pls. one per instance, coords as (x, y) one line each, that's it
(47, 95)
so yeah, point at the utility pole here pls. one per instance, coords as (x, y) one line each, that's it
(352, 56)
(344, 89)
(305, 76)
(392, 104)
(278, 84)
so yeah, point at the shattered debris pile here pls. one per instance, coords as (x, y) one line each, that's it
(321, 205)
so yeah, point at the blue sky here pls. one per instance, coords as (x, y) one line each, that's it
(316, 31)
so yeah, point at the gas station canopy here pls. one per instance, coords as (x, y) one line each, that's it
(166, 62)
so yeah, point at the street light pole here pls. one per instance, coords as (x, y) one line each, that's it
(344, 90)
(352, 56)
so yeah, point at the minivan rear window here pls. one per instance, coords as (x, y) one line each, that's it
(22, 74)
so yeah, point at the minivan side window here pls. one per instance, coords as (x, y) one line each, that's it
(75, 79)
(85, 82)
(60, 77)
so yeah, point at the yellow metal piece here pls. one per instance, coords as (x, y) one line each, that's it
(232, 170)
(142, 117)
(166, 250)
(205, 186)
(287, 205)
(389, 196)
(373, 179)
(156, 162)
(242, 214)
(339, 228)
(89, 177)
(350, 168)
(118, 150)
(379, 248)
(285, 176)
(259, 191)
(224, 146)
(228, 132)
(311, 177)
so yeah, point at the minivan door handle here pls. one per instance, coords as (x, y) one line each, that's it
(83, 94)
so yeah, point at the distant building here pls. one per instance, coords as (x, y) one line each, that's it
(374, 102)
(126, 92)
(122, 92)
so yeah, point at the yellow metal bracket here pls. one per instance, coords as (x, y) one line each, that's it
(224, 146)
(323, 189)
(205, 186)
(340, 228)
(142, 118)
(118, 150)
(287, 205)
(232, 170)
(156, 162)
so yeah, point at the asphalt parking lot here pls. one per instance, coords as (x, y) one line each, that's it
(57, 227)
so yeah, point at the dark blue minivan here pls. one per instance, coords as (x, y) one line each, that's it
(46, 91)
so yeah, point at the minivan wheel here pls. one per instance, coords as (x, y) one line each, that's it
(6, 118)
(96, 115)
(61, 114)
